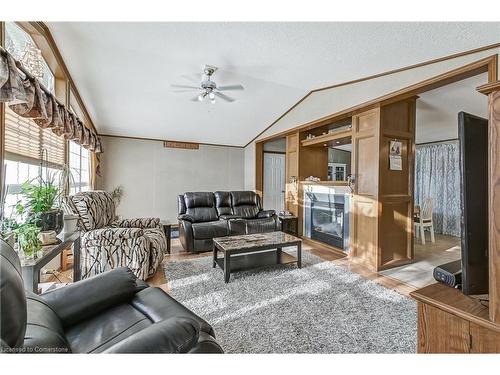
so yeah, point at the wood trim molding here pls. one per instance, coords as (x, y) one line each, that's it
(489, 87)
(492, 90)
(164, 140)
(454, 302)
(259, 170)
(275, 152)
(484, 65)
(492, 72)
(494, 204)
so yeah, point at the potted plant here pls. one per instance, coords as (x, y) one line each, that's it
(7, 227)
(39, 205)
(117, 194)
(66, 180)
(27, 238)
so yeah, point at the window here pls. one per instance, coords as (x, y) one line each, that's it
(79, 163)
(16, 174)
(24, 140)
(30, 151)
(22, 47)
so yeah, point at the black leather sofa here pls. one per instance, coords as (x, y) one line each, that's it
(113, 312)
(206, 215)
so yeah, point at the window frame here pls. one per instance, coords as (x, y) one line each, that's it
(64, 87)
(78, 185)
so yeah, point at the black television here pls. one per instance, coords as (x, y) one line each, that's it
(473, 141)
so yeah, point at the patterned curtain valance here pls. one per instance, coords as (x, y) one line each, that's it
(28, 98)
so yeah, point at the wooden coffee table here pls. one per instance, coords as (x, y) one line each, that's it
(252, 251)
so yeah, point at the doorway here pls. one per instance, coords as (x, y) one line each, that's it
(274, 175)
(274, 181)
(437, 198)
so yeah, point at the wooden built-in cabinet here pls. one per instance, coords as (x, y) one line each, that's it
(292, 174)
(450, 322)
(302, 162)
(382, 202)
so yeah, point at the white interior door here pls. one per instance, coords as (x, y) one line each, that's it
(274, 181)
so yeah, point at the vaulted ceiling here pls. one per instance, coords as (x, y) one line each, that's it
(124, 70)
(437, 110)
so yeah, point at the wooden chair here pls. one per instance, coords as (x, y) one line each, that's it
(424, 220)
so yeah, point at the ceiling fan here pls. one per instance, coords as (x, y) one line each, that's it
(208, 88)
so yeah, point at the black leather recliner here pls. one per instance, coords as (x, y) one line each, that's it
(206, 215)
(113, 312)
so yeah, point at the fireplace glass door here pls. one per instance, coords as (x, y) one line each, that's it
(327, 219)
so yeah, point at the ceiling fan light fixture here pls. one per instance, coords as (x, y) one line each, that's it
(209, 89)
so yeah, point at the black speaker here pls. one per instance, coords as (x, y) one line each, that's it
(449, 274)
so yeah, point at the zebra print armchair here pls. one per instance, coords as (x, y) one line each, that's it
(108, 243)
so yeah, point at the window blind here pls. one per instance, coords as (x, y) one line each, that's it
(25, 141)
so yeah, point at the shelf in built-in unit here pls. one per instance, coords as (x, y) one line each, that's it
(321, 140)
(329, 183)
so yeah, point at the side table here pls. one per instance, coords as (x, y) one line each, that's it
(289, 224)
(167, 228)
(31, 267)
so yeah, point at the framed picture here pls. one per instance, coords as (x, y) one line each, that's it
(395, 160)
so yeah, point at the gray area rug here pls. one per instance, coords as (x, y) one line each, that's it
(321, 308)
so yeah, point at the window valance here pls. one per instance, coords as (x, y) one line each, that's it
(29, 99)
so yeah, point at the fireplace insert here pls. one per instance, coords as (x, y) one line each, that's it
(327, 222)
(326, 218)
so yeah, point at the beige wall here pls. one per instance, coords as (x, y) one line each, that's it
(327, 102)
(152, 176)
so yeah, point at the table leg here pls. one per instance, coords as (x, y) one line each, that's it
(278, 255)
(29, 279)
(299, 255)
(76, 260)
(214, 263)
(169, 238)
(227, 266)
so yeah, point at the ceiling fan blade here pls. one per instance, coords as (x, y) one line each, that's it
(192, 79)
(185, 87)
(230, 87)
(195, 99)
(186, 90)
(224, 96)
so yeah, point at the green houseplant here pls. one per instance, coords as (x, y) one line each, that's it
(27, 238)
(7, 227)
(39, 205)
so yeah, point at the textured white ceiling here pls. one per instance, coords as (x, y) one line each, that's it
(124, 70)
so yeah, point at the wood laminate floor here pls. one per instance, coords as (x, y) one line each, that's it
(419, 273)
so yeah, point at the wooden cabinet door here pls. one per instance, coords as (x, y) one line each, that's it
(292, 174)
(365, 163)
(484, 340)
(441, 332)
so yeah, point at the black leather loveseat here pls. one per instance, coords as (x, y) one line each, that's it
(206, 215)
(113, 312)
